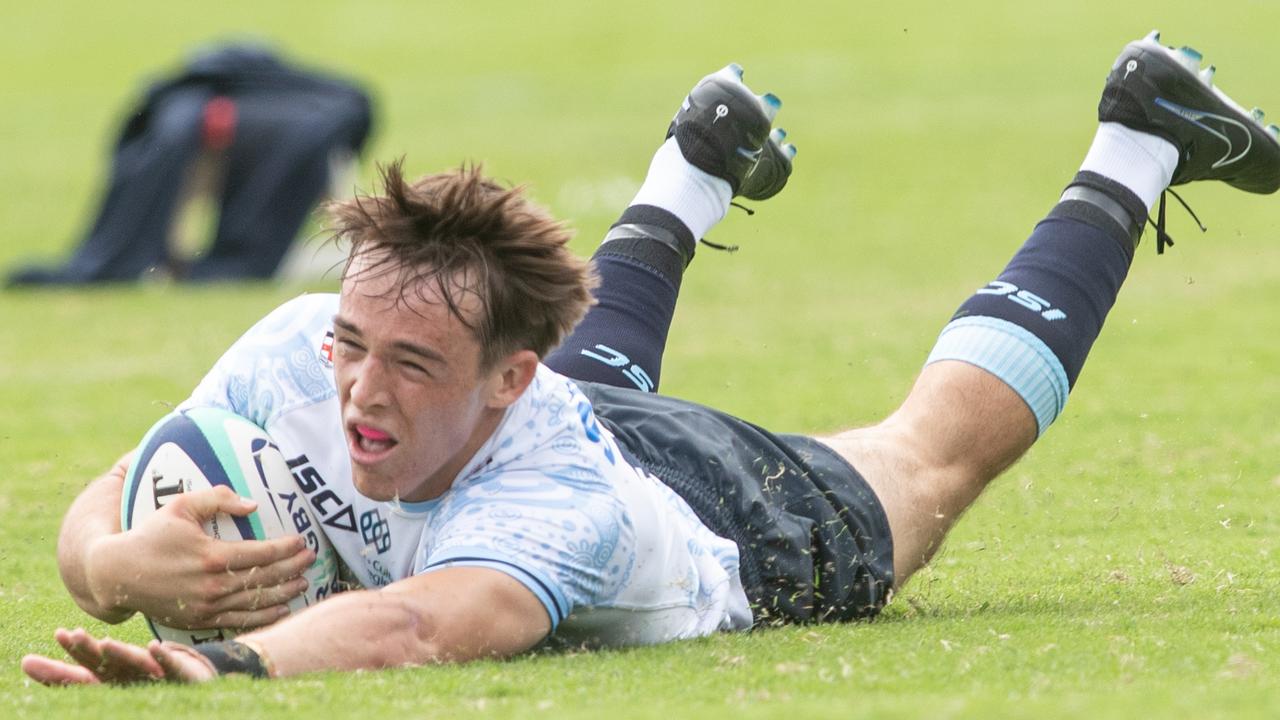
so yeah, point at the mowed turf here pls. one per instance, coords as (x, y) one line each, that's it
(1126, 567)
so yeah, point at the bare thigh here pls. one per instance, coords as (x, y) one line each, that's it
(958, 429)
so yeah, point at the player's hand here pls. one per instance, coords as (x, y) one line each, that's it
(105, 660)
(167, 568)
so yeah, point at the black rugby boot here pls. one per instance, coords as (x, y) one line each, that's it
(722, 128)
(1163, 91)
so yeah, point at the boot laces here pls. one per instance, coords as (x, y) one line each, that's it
(727, 248)
(1163, 239)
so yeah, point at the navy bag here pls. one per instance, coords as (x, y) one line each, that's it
(271, 131)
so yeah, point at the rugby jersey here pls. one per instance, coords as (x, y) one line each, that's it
(614, 555)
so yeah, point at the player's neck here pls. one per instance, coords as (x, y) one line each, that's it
(447, 475)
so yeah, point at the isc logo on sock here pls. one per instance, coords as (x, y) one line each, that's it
(613, 358)
(1025, 298)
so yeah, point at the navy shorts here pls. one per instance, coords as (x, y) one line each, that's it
(813, 538)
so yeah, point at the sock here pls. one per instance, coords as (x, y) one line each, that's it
(698, 199)
(641, 263)
(621, 340)
(1033, 326)
(1142, 163)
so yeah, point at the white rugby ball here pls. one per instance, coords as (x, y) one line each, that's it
(201, 448)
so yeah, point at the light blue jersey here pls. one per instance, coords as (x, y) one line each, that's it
(615, 556)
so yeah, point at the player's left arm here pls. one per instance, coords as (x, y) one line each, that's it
(454, 614)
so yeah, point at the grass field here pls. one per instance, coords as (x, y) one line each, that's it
(1126, 567)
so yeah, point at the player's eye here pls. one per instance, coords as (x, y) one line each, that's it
(348, 346)
(414, 368)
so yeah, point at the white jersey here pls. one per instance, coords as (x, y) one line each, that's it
(613, 554)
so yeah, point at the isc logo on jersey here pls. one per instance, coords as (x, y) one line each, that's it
(202, 448)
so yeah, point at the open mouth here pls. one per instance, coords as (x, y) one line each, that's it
(369, 444)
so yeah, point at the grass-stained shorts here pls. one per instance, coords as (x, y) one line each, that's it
(813, 538)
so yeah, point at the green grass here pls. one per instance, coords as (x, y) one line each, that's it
(1127, 566)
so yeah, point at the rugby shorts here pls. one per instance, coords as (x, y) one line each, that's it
(813, 538)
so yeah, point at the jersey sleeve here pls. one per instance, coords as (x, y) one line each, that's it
(555, 532)
(281, 363)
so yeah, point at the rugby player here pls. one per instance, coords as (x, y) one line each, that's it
(502, 494)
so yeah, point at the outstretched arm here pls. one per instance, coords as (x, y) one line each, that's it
(167, 567)
(451, 615)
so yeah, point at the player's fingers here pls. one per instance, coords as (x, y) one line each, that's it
(48, 671)
(200, 505)
(81, 646)
(281, 571)
(180, 663)
(249, 619)
(262, 554)
(261, 598)
(126, 663)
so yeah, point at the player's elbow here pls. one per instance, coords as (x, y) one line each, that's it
(76, 567)
(96, 608)
(419, 633)
(411, 634)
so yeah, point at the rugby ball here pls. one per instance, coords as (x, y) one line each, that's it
(201, 448)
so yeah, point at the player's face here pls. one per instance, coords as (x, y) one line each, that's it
(415, 404)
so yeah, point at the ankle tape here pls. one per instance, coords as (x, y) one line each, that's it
(1105, 203)
(655, 223)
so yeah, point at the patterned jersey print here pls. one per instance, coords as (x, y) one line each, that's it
(615, 556)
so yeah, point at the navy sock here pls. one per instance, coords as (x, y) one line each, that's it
(1033, 326)
(621, 340)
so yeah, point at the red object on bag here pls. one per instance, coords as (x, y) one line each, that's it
(219, 127)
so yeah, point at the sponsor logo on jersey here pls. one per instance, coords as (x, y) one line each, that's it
(333, 512)
(375, 531)
(326, 349)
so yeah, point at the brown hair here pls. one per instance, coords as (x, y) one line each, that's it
(467, 234)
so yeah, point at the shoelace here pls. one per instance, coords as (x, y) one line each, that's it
(1163, 239)
(718, 246)
(728, 248)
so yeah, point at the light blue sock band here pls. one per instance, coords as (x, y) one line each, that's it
(1010, 352)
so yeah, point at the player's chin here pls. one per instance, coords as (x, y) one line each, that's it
(374, 473)
(372, 484)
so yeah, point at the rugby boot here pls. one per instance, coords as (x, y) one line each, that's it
(1163, 91)
(723, 129)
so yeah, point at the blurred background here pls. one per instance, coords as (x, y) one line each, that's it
(910, 102)
(931, 135)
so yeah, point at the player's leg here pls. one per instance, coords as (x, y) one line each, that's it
(719, 145)
(1003, 367)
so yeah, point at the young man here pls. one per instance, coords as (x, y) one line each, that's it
(515, 515)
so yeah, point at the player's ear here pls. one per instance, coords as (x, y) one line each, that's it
(510, 376)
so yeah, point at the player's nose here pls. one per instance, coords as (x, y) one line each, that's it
(369, 384)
